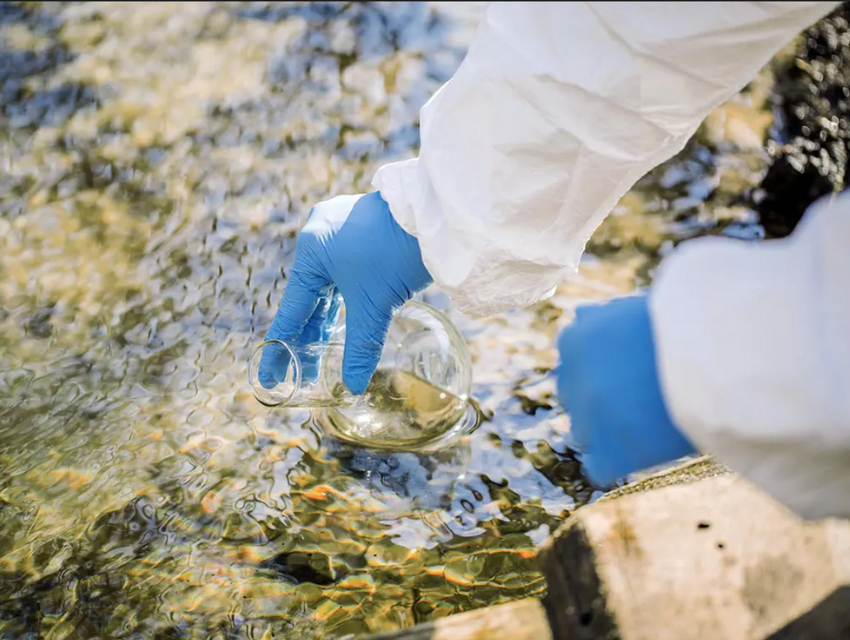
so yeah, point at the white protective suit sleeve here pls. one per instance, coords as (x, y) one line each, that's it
(753, 345)
(556, 111)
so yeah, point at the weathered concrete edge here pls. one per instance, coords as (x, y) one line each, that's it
(685, 473)
(519, 620)
(682, 474)
(688, 560)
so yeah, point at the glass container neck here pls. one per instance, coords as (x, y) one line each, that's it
(283, 374)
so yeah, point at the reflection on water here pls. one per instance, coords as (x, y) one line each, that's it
(157, 163)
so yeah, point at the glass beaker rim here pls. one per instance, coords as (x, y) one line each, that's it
(296, 370)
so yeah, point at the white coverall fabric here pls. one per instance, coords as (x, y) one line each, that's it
(753, 344)
(556, 111)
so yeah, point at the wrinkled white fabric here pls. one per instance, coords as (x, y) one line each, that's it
(753, 345)
(556, 111)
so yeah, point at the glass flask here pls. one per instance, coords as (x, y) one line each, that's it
(418, 398)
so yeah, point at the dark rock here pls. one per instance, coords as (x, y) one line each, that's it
(39, 325)
(809, 149)
(303, 566)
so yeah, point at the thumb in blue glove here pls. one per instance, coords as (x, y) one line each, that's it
(351, 245)
(608, 382)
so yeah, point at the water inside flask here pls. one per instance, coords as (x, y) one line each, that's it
(418, 398)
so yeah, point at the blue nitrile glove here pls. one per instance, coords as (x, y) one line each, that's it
(608, 382)
(362, 253)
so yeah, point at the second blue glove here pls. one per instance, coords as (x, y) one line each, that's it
(608, 382)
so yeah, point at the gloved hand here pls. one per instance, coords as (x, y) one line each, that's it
(608, 382)
(351, 245)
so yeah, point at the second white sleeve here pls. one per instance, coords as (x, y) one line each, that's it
(753, 344)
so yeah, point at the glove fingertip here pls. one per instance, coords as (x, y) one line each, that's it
(273, 367)
(267, 379)
(364, 343)
(357, 382)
